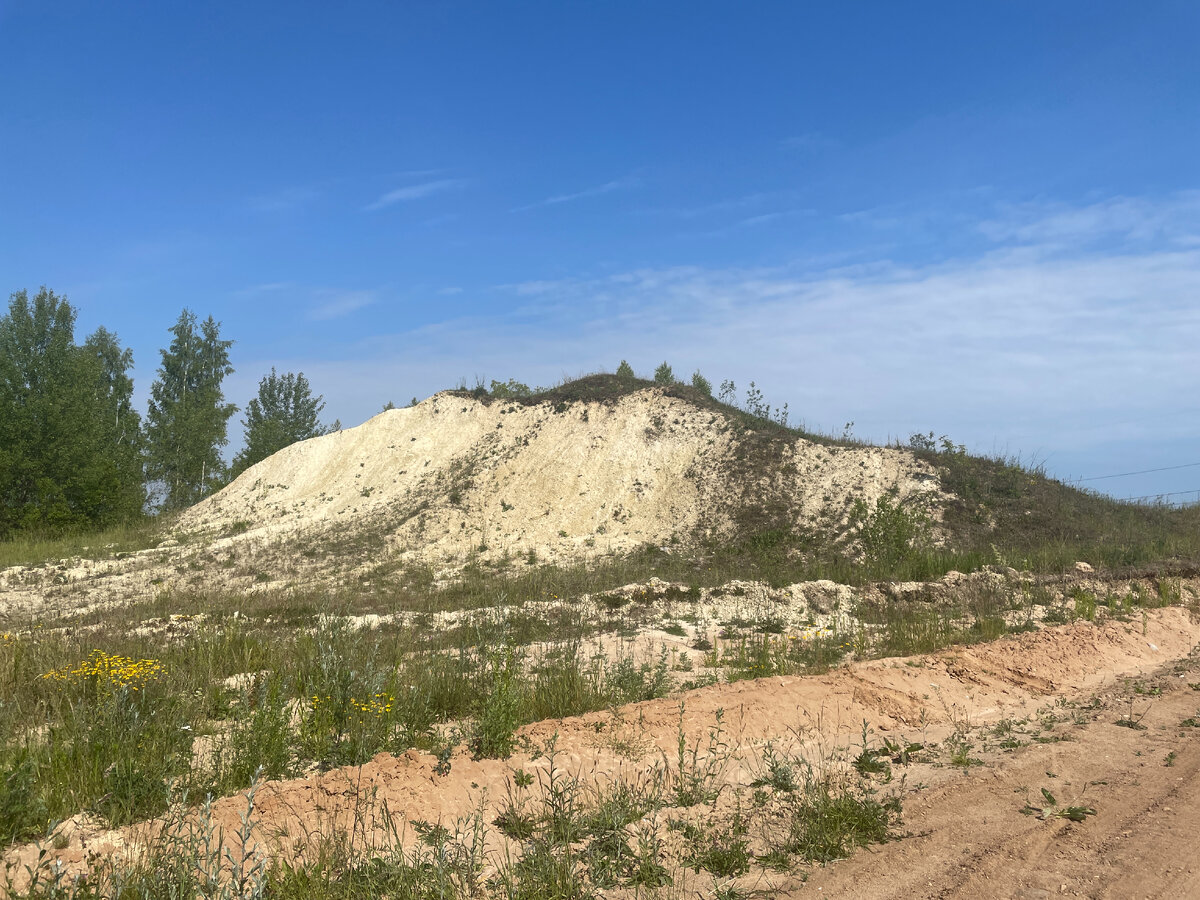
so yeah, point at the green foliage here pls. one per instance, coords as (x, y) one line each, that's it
(349, 691)
(702, 384)
(120, 427)
(625, 370)
(698, 770)
(828, 822)
(493, 735)
(23, 811)
(112, 748)
(1049, 809)
(664, 375)
(260, 743)
(187, 417)
(1085, 604)
(284, 412)
(722, 850)
(510, 390)
(889, 533)
(70, 455)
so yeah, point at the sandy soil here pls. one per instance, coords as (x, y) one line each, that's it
(965, 835)
(967, 838)
(453, 475)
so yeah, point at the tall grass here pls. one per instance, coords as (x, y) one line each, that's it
(35, 548)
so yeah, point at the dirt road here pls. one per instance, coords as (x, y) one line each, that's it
(968, 837)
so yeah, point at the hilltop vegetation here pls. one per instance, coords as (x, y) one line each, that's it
(996, 510)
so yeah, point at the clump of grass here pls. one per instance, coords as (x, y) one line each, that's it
(696, 775)
(23, 809)
(811, 651)
(260, 743)
(115, 737)
(827, 819)
(722, 849)
(34, 548)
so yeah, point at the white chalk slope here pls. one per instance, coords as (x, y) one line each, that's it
(453, 476)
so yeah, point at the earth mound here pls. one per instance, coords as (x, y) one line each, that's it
(457, 477)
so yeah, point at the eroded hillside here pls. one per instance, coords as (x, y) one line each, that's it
(455, 477)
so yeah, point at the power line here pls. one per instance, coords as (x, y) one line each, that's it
(1168, 494)
(1143, 472)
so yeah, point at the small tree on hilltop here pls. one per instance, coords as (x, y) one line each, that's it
(625, 370)
(284, 412)
(664, 375)
(702, 384)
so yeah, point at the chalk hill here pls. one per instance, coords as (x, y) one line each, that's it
(603, 467)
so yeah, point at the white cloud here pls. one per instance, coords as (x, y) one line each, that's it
(415, 192)
(1031, 346)
(617, 184)
(336, 304)
(734, 204)
(270, 287)
(1175, 219)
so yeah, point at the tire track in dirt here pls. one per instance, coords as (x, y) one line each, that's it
(969, 839)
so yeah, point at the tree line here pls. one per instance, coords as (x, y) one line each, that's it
(75, 453)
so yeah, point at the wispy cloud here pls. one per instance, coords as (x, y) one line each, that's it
(1031, 342)
(761, 219)
(1013, 346)
(336, 304)
(731, 205)
(618, 184)
(417, 173)
(270, 287)
(1175, 219)
(415, 192)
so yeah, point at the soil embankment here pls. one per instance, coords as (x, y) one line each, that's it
(1065, 688)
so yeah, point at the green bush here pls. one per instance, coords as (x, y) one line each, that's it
(889, 533)
(493, 734)
(261, 741)
(827, 824)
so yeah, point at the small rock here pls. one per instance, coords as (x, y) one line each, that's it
(1084, 568)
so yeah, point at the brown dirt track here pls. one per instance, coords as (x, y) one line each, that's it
(967, 838)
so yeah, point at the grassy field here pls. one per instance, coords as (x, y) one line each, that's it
(122, 713)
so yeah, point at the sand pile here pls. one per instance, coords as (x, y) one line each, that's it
(455, 476)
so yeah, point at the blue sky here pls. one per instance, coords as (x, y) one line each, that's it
(981, 219)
